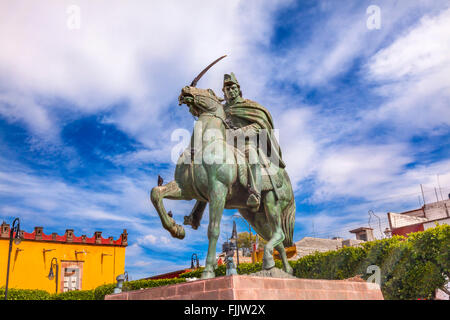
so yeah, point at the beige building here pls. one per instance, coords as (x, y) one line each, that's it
(419, 219)
(309, 245)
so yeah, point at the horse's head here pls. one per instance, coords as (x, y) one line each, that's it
(199, 100)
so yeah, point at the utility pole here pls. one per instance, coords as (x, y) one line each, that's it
(439, 185)
(423, 196)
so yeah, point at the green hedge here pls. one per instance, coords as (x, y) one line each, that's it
(95, 294)
(411, 268)
(139, 284)
(75, 295)
(100, 292)
(25, 294)
(243, 268)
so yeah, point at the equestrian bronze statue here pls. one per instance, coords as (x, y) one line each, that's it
(233, 162)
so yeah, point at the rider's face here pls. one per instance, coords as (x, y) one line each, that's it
(231, 91)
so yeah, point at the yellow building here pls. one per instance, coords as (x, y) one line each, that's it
(82, 263)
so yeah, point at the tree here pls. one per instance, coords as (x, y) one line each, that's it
(246, 242)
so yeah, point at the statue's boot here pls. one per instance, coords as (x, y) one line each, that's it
(254, 200)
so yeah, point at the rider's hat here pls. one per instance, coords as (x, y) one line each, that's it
(231, 79)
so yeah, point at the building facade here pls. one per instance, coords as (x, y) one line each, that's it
(310, 245)
(428, 216)
(77, 263)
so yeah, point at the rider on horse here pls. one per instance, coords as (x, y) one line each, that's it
(249, 121)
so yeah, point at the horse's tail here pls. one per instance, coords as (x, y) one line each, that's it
(288, 217)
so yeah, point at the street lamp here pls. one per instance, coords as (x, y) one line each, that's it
(51, 275)
(234, 237)
(17, 241)
(194, 258)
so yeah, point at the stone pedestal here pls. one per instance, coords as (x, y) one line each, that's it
(241, 287)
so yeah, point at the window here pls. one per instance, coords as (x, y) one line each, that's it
(362, 236)
(71, 279)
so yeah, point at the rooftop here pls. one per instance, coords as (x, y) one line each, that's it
(68, 237)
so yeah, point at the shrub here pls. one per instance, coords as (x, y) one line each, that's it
(411, 268)
(101, 291)
(339, 264)
(141, 284)
(75, 295)
(25, 294)
(243, 268)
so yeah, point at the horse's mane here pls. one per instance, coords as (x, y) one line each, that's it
(211, 107)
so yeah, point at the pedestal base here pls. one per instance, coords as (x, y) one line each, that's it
(243, 287)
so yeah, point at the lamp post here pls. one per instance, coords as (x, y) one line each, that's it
(234, 237)
(250, 234)
(17, 240)
(51, 275)
(194, 258)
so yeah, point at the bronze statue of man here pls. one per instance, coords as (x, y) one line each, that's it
(221, 181)
(250, 119)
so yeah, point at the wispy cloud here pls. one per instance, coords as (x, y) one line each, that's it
(413, 71)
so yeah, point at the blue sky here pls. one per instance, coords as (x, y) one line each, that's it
(87, 114)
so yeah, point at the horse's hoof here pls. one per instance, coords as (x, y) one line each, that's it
(289, 270)
(267, 265)
(208, 275)
(177, 231)
(187, 221)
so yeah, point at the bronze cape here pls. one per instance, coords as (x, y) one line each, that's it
(255, 113)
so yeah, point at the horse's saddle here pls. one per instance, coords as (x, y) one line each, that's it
(272, 176)
(275, 180)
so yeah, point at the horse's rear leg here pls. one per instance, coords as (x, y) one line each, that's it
(286, 266)
(273, 212)
(171, 191)
(217, 197)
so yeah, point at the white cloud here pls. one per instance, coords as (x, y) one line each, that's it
(55, 198)
(297, 143)
(36, 117)
(153, 240)
(413, 75)
(139, 54)
(340, 35)
(419, 51)
(358, 171)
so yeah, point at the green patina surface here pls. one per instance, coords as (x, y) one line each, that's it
(251, 179)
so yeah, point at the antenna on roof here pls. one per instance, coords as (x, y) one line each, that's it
(439, 185)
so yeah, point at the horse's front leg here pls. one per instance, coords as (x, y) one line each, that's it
(217, 196)
(273, 213)
(169, 191)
